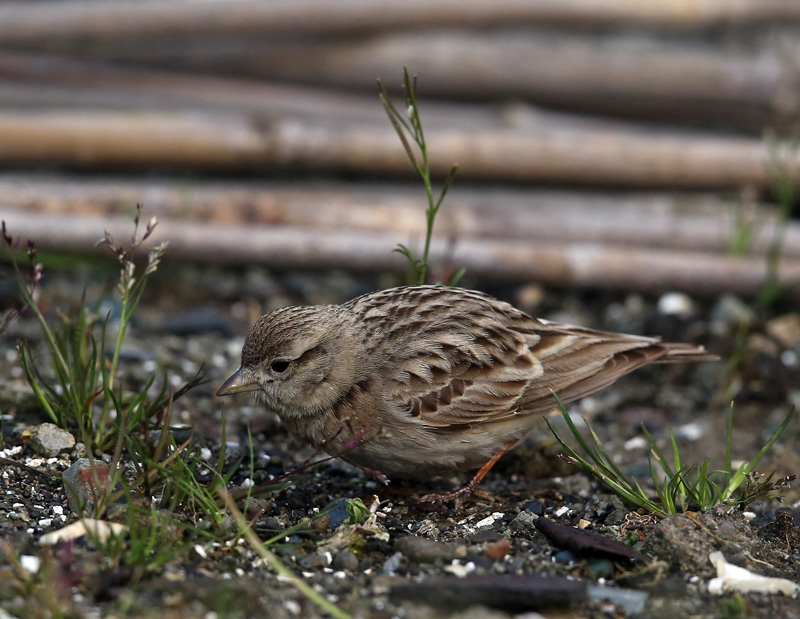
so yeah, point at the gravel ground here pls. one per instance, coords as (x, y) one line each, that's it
(487, 559)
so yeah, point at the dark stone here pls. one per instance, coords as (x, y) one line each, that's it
(338, 513)
(535, 507)
(345, 560)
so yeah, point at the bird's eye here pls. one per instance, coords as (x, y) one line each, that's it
(279, 366)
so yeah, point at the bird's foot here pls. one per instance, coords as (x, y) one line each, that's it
(458, 497)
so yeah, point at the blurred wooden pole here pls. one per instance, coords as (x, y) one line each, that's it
(284, 247)
(698, 222)
(613, 74)
(37, 25)
(546, 149)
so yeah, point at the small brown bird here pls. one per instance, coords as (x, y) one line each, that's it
(416, 382)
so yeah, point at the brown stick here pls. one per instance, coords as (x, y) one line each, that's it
(547, 149)
(283, 247)
(671, 221)
(39, 24)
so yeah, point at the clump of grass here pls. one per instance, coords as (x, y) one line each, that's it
(166, 509)
(85, 391)
(408, 126)
(678, 485)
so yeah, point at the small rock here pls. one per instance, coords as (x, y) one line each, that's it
(345, 560)
(785, 329)
(314, 560)
(424, 550)
(566, 556)
(600, 568)
(633, 602)
(50, 440)
(675, 304)
(522, 522)
(338, 513)
(535, 507)
(79, 483)
(393, 563)
(498, 550)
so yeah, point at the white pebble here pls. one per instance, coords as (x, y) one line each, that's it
(637, 442)
(489, 520)
(30, 563)
(790, 358)
(689, 431)
(458, 570)
(675, 304)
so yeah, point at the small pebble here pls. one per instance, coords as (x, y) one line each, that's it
(392, 563)
(30, 563)
(535, 507)
(50, 440)
(675, 304)
(345, 560)
(522, 522)
(498, 550)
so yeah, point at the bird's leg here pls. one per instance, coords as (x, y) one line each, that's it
(471, 487)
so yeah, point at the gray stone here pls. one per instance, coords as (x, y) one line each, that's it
(50, 440)
(345, 560)
(523, 522)
(424, 550)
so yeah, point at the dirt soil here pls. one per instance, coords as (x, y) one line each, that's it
(481, 559)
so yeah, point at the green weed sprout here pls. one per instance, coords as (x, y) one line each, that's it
(408, 126)
(83, 376)
(678, 485)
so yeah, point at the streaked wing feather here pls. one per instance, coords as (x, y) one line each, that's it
(469, 358)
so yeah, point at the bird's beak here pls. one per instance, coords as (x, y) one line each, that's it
(238, 383)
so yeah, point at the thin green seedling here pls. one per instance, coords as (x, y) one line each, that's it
(677, 485)
(84, 381)
(408, 126)
(357, 512)
(150, 538)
